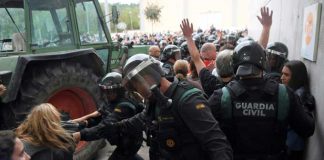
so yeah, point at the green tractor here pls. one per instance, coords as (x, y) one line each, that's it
(56, 51)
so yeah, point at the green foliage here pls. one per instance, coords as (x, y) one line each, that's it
(128, 13)
(153, 12)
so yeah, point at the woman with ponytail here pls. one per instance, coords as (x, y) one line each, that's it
(181, 70)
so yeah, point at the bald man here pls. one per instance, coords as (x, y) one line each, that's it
(154, 51)
(208, 54)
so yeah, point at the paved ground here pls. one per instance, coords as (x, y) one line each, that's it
(104, 153)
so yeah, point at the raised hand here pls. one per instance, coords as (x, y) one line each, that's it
(266, 17)
(187, 29)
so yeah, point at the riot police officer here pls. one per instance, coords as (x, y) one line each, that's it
(170, 54)
(208, 81)
(184, 50)
(162, 44)
(277, 54)
(230, 39)
(255, 112)
(211, 38)
(178, 121)
(119, 107)
(198, 39)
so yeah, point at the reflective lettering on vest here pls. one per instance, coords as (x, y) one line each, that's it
(254, 109)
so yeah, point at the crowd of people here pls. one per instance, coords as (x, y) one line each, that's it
(211, 95)
(212, 35)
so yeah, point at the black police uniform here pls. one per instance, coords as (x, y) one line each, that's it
(167, 67)
(279, 51)
(255, 115)
(127, 144)
(276, 76)
(184, 50)
(184, 130)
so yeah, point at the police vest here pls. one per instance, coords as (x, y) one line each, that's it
(173, 135)
(273, 76)
(122, 138)
(255, 126)
(125, 102)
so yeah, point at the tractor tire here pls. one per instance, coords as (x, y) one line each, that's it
(70, 87)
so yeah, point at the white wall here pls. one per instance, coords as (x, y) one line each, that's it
(202, 13)
(287, 28)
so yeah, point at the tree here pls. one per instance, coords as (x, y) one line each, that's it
(153, 13)
(128, 13)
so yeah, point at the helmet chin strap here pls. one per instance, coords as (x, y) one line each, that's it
(165, 101)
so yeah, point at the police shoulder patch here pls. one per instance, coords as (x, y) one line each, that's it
(200, 106)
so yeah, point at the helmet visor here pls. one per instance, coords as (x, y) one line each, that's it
(139, 84)
(142, 77)
(109, 87)
(283, 55)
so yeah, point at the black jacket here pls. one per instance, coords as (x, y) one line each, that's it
(168, 70)
(115, 111)
(42, 152)
(195, 116)
(257, 135)
(209, 82)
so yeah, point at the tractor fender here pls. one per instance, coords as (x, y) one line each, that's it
(86, 57)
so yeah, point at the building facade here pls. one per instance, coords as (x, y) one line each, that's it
(229, 14)
(287, 27)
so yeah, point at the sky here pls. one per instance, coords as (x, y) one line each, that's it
(121, 1)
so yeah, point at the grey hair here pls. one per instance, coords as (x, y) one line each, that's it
(207, 47)
(224, 63)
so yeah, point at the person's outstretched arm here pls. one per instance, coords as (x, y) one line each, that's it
(266, 21)
(134, 124)
(187, 30)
